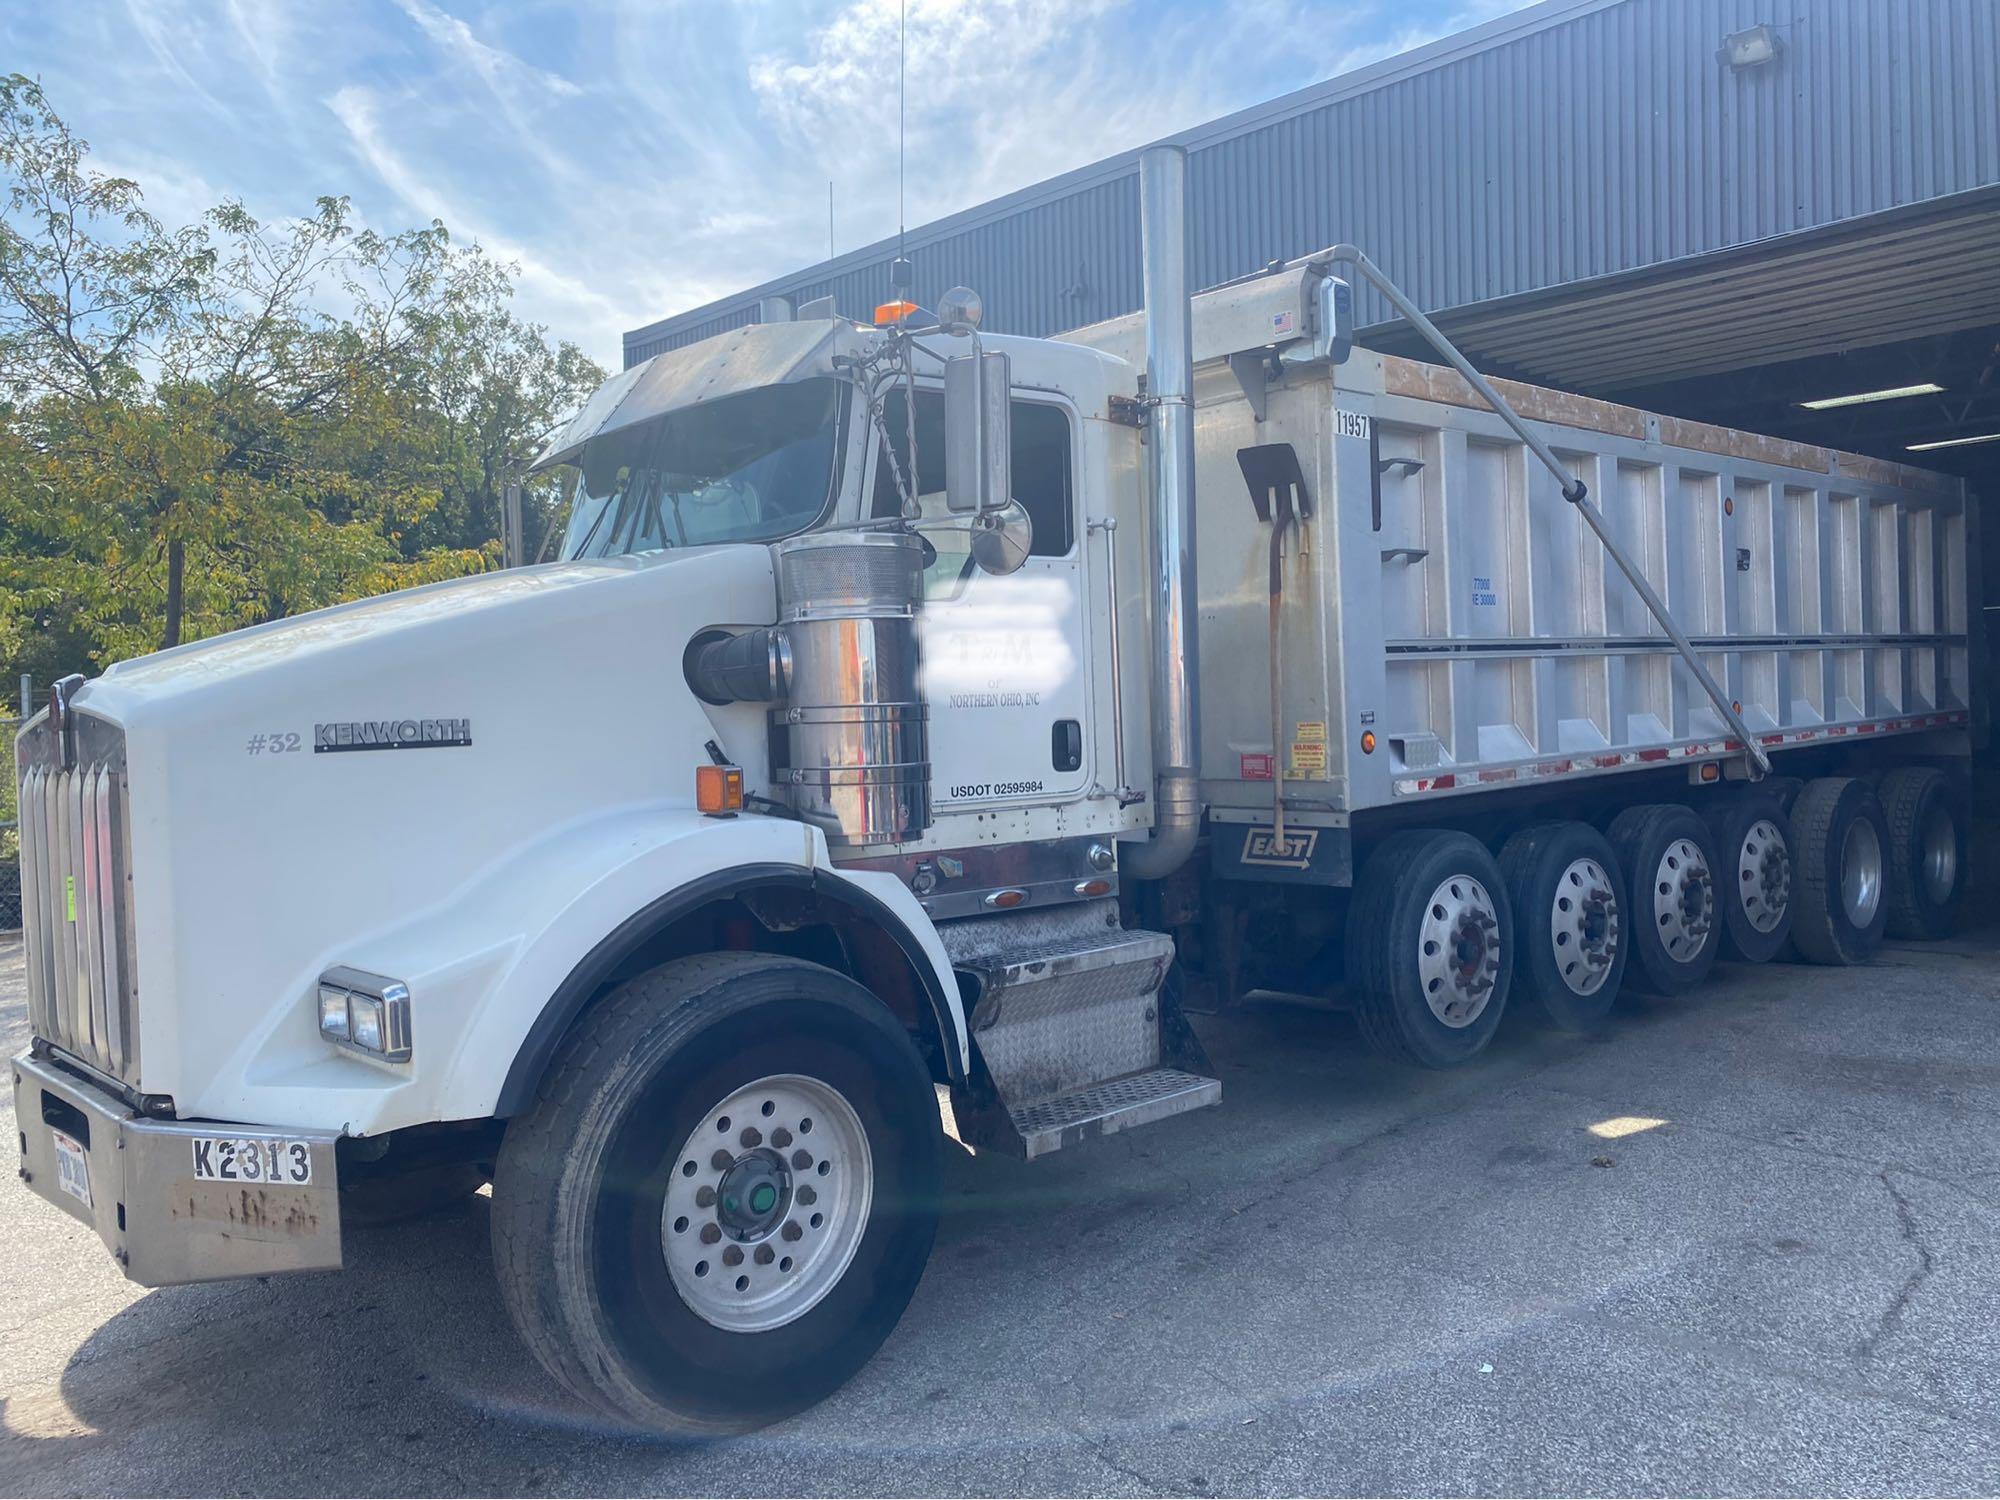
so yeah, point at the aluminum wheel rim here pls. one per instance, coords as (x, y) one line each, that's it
(1683, 899)
(1861, 872)
(1939, 855)
(1583, 926)
(1458, 951)
(1764, 875)
(747, 1264)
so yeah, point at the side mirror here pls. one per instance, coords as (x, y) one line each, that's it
(978, 432)
(1002, 539)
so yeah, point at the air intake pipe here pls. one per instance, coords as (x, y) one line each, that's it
(1170, 391)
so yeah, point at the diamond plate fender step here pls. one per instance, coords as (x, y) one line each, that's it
(1111, 1106)
(1068, 1019)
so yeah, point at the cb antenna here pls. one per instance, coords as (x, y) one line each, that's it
(900, 278)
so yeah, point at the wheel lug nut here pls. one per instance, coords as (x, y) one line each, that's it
(802, 1159)
(808, 1196)
(704, 1197)
(781, 1138)
(710, 1233)
(733, 1256)
(752, 1136)
(791, 1232)
(722, 1161)
(765, 1255)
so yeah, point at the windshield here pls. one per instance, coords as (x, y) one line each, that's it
(752, 467)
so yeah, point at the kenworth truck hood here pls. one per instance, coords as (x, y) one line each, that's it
(268, 844)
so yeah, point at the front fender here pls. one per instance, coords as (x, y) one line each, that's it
(497, 971)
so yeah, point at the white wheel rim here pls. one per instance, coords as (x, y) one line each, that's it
(1458, 951)
(1939, 854)
(1764, 875)
(747, 1264)
(1583, 926)
(1683, 899)
(1861, 872)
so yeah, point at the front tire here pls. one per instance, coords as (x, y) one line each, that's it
(1430, 948)
(724, 1195)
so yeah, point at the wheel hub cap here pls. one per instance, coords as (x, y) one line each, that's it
(1683, 900)
(1764, 873)
(752, 1195)
(1940, 855)
(1861, 872)
(1459, 951)
(1583, 926)
(766, 1203)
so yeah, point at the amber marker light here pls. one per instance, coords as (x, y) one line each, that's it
(718, 790)
(1367, 742)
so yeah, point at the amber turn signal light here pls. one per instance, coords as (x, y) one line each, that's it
(1367, 742)
(718, 790)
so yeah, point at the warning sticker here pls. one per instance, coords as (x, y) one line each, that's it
(1308, 759)
(1312, 732)
(1255, 765)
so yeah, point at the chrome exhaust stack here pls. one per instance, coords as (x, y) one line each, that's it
(1170, 395)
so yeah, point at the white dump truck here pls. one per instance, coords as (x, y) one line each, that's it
(917, 713)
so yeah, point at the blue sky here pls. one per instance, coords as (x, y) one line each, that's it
(638, 157)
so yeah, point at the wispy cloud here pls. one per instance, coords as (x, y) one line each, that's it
(638, 157)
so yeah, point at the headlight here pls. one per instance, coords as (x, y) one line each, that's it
(367, 1013)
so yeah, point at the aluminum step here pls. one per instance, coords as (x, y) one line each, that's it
(1071, 1030)
(1111, 1106)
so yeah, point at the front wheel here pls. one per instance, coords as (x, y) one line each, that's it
(724, 1195)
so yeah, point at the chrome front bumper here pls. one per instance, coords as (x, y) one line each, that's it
(161, 1223)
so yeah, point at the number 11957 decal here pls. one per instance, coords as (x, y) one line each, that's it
(277, 1163)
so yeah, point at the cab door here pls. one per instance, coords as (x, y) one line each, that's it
(1005, 659)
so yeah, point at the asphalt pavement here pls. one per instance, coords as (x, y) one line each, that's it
(1746, 1242)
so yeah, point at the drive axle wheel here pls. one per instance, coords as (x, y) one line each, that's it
(1669, 862)
(724, 1194)
(1926, 852)
(1754, 855)
(1840, 841)
(1570, 940)
(1430, 948)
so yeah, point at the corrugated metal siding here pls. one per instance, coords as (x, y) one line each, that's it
(1569, 148)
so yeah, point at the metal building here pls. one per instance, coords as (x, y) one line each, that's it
(1721, 208)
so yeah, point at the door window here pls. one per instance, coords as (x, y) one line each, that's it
(1043, 482)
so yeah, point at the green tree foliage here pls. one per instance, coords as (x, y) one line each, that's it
(223, 424)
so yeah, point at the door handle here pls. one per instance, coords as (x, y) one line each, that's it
(1066, 745)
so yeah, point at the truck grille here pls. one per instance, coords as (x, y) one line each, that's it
(76, 894)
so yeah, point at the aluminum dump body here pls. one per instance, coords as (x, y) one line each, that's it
(1449, 624)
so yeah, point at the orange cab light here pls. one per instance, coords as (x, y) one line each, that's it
(1367, 742)
(718, 790)
(894, 312)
